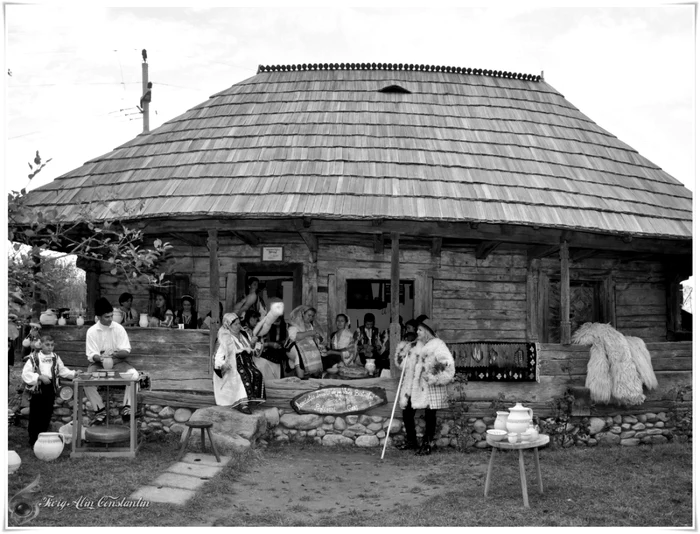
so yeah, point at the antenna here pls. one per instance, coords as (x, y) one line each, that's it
(146, 88)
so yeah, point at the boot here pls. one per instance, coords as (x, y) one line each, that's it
(425, 448)
(408, 445)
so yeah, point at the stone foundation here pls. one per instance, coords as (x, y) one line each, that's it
(454, 427)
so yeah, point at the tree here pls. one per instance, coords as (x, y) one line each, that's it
(45, 240)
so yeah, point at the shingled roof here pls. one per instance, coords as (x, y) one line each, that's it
(397, 142)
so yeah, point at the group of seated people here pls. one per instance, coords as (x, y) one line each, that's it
(161, 314)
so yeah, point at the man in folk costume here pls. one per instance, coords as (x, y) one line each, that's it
(429, 367)
(107, 347)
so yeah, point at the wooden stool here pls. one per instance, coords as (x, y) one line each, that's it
(202, 425)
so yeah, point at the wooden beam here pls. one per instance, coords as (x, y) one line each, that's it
(637, 257)
(377, 222)
(213, 244)
(395, 327)
(485, 248)
(249, 238)
(312, 243)
(565, 295)
(535, 253)
(582, 254)
(190, 239)
(378, 243)
(436, 248)
(458, 230)
(306, 221)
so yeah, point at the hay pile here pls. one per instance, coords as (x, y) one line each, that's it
(619, 365)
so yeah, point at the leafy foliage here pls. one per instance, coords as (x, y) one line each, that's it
(96, 234)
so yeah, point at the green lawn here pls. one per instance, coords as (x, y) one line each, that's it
(646, 486)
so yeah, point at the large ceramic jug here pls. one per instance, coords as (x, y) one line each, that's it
(117, 316)
(48, 317)
(500, 423)
(143, 320)
(519, 419)
(49, 446)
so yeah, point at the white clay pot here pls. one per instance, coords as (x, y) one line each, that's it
(117, 316)
(49, 446)
(80, 321)
(143, 320)
(13, 461)
(519, 419)
(62, 321)
(48, 317)
(370, 366)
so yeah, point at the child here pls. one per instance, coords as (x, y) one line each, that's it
(41, 373)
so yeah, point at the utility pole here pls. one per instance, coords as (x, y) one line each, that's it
(146, 89)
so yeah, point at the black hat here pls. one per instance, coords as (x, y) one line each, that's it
(103, 306)
(425, 323)
(369, 317)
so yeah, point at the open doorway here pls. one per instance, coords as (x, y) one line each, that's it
(281, 280)
(374, 296)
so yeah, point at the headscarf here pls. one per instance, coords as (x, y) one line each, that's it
(227, 320)
(296, 318)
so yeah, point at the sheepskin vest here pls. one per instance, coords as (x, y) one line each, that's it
(429, 368)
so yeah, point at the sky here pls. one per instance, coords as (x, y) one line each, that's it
(74, 76)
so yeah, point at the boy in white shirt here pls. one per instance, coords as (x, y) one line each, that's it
(40, 373)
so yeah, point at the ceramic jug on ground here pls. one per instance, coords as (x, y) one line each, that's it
(13, 461)
(49, 446)
(519, 418)
(500, 423)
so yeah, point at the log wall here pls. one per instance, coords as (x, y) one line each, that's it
(503, 297)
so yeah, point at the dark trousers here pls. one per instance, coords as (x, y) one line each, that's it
(409, 422)
(40, 412)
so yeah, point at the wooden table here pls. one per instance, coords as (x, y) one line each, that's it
(542, 440)
(79, 447)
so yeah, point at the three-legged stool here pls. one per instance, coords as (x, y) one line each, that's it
(202, 425)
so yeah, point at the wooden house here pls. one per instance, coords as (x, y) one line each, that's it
(482, 199)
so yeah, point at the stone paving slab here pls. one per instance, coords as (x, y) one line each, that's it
(194, 470)
(199, 458)
(164, 494)
(175, 480)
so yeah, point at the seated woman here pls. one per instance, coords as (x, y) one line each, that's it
(274, 354)
(131, 315)
(342, 343)
(237, 382)
(161, 314)
(186, 315)
(306, 353)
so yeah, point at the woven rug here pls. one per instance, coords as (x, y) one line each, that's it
(497, 362)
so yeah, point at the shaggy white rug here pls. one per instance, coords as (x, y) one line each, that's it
(619, 366)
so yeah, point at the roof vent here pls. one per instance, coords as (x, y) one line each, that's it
(394, 89)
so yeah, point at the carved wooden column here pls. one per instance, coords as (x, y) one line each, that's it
(92, 281)
(565, 294)
(213, 245)
(395, 327)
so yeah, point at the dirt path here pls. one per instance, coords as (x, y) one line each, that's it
(334, 481)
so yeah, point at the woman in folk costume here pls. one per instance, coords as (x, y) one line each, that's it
(236, 379)
(305, 350)
(429, 368)
(343, 343)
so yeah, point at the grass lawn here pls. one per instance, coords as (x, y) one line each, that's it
(645, 486)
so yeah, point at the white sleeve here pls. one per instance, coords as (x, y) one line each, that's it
(28, 375)
(63, 371)
(292, 332)
(122, 339)
(91, 346)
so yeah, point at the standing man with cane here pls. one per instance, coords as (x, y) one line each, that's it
(427, 366)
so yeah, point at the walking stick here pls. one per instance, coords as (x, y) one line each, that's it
(391, 419)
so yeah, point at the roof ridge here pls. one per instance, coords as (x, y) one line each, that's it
(399, 66)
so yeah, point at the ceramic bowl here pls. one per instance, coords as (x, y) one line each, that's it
(512, 437)
(496, 435)
(125, 376)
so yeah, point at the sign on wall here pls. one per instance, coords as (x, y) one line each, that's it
(339, 400)
(273, 254)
